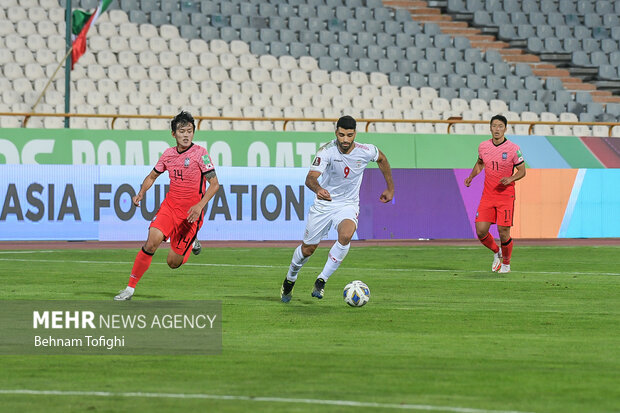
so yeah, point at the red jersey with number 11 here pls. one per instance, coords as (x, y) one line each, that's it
(499, 162)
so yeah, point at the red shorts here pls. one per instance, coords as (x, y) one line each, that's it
(496, 211)
(172, 221)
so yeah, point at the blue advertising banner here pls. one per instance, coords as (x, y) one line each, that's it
(75, 202)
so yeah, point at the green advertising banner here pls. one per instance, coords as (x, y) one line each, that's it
(227, 148)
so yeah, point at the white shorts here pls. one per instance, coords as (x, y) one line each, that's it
(321, 220)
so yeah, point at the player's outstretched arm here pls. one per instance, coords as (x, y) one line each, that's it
(478, 166)
(386, 170)
(146, 184)
(312, 182)
(214, 185)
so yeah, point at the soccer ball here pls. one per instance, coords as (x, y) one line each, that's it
(356, 293)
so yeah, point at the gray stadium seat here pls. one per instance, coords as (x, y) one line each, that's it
(448, 93)
(467, 93)
(481, 68)
(424, 67)
(436, 81)
(394, 53)
(485, 94)
(355, 51)
(179, 18)
(297, 49)
(327, 63)
(423, 40)
(239, 21)
(363, 13)
(199, 20)
(365, 39)
(268, 35)
(317, 50)
(392, 27)
(228, 34)
(248, 34)
(517, 106)
(513, 82)
(384, 40)
(417, 80)
(404, 66)
(346, 64)
(337, 50)
(533, 83)
(278, 49)
(474, 82)
(258, 47)
(158, 18)
(375, 52)
(463, 68)
(456, 81)
(523, 69)
(137, 17)
(188, 31)
(367, 65)
(209, 33)
(536, 106)
(506, 95)
(397, 79)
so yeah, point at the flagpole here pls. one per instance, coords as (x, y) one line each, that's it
(68, 64)
(49, 81)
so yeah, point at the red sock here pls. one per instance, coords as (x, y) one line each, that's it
(140, 265)
(489, 242)
(507, 250)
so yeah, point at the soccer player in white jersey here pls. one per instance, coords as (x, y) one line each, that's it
(340, 164)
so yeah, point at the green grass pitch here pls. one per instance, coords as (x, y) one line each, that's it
(440, 333)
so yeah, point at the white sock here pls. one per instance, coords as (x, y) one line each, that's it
(130, 289)
(336, 255)
(298, 261)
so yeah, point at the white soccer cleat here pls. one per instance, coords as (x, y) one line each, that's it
(505, 268)
(196, 248)
(124, 295)
(497, 261)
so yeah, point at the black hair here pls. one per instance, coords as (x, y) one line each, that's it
(181, 119)
(500, 118)
(346, 122)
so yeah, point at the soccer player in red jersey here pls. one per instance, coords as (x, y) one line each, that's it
(499, 157)
(180, 215)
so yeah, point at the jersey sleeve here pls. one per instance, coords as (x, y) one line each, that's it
(160, 166)
(205, 163)
(321, 161)
(517, 157)
(374, 153)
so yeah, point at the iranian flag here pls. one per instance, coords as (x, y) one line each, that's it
(81, 23)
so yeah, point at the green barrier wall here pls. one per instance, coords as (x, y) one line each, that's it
(227, 148)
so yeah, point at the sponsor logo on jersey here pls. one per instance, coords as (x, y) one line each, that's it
(186, 162)
(504, 155)
(317, 161)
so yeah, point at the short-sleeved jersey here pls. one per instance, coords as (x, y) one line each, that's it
(187, 172)
(341, 174)
(499, 162)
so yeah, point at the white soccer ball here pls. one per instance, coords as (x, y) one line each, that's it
(356, 293)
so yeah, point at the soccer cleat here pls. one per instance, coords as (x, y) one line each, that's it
(505, 268)
(497, 261)
(319, 288)
(124, 295)
(286, 293)
(196, 248)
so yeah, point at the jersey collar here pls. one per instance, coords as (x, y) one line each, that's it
(188, 148)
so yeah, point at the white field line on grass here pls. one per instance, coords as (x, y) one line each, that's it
(282, 267)
(349, 403)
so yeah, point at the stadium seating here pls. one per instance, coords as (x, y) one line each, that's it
(345, 54)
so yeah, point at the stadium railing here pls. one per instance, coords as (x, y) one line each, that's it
(285, 121)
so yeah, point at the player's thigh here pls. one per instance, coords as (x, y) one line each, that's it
(345, 220)
(155, 238)
(505, 214)
(317, 225)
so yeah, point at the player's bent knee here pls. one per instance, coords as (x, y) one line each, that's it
(308, 250)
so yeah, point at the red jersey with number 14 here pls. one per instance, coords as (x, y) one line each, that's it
(187, 171)
(499, 162)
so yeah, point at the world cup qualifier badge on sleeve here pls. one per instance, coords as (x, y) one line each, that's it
(317, 161)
